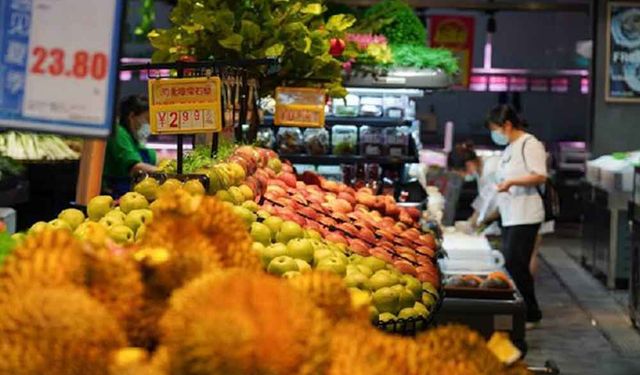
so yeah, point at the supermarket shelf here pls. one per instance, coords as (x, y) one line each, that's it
(347, 159)
(383, 122)
(425, 79)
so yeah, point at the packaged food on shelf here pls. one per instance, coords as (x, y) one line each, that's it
(344, 139)
(290, 141)
(397, 141)
(316, 141)
(265, 138)
(371, 106)
(371, 141)
(395, 106)
(347, 107)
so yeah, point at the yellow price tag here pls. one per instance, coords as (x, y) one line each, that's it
(185, 105)
(300, 106)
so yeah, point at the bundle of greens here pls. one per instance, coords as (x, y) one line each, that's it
(396, 20)
(30, 146)
(414, 56)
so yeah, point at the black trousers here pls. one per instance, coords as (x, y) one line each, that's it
(518, 242)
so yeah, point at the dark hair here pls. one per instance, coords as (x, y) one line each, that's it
(503, 113)
(460, 155)
(135, 104)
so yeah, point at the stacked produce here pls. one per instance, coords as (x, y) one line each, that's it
(30, 146)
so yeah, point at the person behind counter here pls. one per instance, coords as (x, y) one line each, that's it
(126, 152)
(521, 169)
(463, 162)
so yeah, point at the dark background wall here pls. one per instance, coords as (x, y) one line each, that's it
(616, 127)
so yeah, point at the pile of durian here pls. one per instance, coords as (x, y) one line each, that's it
(191, 299)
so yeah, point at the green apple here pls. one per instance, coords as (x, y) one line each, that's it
(356, 280)
(258, 247)
(91, 231)
(224, 196)
(142, 229)
(246, 191)
(109, 221)
(148, 187)
(405, 296)
(274, 223)
(382, 279)
(272, 251)
(312, 234)
(99, 206)
(413, 284)
(261, 233)
(194, 187)
(121, 233)
(332, 264)
(247, 216)
(133, 201)
(236, 194)
(300, 248)
(386, 300)
(116, 214)
(288, 231)
(373, 263)
(303, 266)
(170, 185)
(408, 313)
(251, 206)
(262, 214)
(428, 301)
(38, 227)
(281, 265)
(72, 216)
(291, 274)
(60, 224)
(318, 255)
(136, 218)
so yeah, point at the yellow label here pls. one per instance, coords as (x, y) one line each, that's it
(300, 106)
(185, 105)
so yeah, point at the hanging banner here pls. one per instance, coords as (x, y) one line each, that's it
(300, 106)
(185, 105)
(455, 33)
(58, 65)
(623, 52)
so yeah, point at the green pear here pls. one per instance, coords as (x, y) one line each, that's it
(356, 280)
(428, 301)
(236, 194)
(72, 216)
(247, 216)
(224, 196)
(99, 206)
(246, 191)
(382, 279)
(318, 255)
(133, 201)
(136, 218)
(303, 266)
(110, 221)
(60, 224)
(421, 309)
(332, 264)
(408, 313)
(386, 300)
(262, 214)
(39, 227)
(116, 214)
(121, 234)
(373, 263)
(194, 187)
(251, 206)
(312, 234)
(170, 185)
(148, 187)
(274, 223)
(142, 230)
(405, 296)
(281, 265)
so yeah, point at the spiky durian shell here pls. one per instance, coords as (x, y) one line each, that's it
(144, 331)
(47, 259)
(237, 322)
(329, 292)
(57, 331)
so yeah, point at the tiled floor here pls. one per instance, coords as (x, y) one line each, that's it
(584, 330)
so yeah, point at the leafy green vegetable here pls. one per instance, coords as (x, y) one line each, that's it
(420, 57)
(396, 20)
(294, 30)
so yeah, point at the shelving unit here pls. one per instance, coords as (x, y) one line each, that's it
(348, 159)
(382, 122)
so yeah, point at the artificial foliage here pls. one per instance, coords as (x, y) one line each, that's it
(396, 20)
(294, 31)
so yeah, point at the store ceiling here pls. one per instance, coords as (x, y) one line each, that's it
(487, 6)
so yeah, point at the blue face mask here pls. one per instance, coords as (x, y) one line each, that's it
(470, 177)
(499, 138)
(143, 133)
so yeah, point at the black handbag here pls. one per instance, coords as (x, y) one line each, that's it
(548, 193)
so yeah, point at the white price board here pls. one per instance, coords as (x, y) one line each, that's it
(59, 65)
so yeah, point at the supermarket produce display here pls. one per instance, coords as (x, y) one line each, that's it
(35, 147)
(168, 279)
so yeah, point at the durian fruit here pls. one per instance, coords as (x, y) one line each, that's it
(113, 278)
(233, 322)
(57, 331)
(329, 292)
(144, 331)
(49, 258)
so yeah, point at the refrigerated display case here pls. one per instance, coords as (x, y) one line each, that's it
(634, 227)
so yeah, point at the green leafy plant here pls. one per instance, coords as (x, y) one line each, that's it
(420, 57)
(295, 31)
(396, 20)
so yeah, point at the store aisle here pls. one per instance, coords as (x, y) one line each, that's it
(584, 329)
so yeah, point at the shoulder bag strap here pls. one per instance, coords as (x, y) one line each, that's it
(524, 159)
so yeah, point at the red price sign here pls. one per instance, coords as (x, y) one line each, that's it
(79, 64)
(185, 105)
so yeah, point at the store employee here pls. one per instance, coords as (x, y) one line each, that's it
(522, 168)
(126, 153)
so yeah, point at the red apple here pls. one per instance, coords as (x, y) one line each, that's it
(336, 238)
(359, 247)
(381, 254)
(405, 267)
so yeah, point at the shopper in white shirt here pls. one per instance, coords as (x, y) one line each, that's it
(521, 170)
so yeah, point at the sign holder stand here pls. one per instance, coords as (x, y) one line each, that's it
(239, 69)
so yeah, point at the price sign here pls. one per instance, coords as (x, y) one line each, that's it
(185, 105)
(58, 65)
(300, 106)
